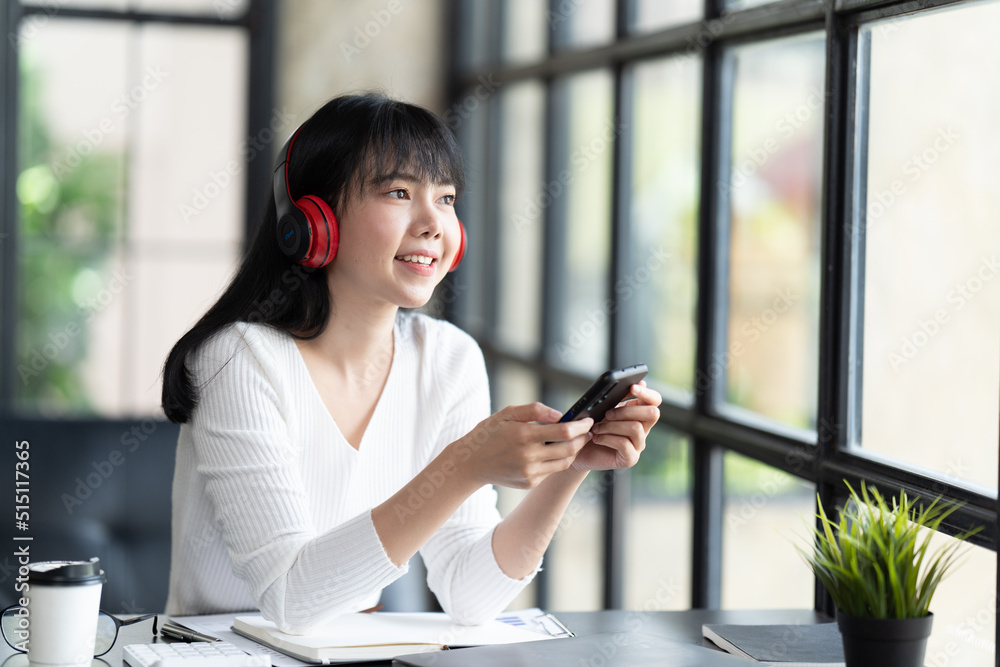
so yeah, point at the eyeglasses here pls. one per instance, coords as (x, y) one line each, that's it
(15, 633)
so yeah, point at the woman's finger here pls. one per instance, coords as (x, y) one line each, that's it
(561, 432)
(645, 394)
(633, 430)
(647, 414)
(626, 451)
(566, 449)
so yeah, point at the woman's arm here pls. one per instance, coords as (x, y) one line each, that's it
(506, 449)
(522, 538)
(477, 569)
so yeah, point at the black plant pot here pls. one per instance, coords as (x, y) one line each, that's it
(884, 642)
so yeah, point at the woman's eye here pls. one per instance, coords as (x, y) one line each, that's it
(398, 193)
(449, 199)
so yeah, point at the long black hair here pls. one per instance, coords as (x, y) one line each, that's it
(351, 141)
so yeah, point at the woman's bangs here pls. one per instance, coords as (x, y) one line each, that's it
(414, 143)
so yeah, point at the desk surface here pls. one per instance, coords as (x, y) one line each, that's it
(684, 626)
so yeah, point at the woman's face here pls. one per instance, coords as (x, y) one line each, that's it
(397, 241)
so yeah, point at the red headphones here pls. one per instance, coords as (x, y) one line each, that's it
(307, 228)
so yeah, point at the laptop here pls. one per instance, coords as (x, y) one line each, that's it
(631, 649)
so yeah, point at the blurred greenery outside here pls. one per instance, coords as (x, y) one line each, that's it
(70, 201)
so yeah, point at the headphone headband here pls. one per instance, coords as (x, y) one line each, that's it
(283, 203)
(307, 231)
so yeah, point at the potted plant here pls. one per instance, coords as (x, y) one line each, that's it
(877, 565)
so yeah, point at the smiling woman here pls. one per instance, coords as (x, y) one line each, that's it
(329, 436)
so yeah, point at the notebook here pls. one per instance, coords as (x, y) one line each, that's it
(631, 649)
(379, 636)
(816, 645)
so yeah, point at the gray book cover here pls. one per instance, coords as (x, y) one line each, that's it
(785, 645)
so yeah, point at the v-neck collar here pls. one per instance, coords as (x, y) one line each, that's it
(386, 388)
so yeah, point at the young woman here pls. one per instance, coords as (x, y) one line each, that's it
(327, 435)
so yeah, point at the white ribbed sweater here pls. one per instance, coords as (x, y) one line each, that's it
(272, 506)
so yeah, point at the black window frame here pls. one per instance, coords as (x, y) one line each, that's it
(824, 457)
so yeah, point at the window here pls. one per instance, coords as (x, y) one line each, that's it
(765, 510)
(928, 221)
(130, 193)
(578, 24)
(650, 15)
(819, 184)
(771, 351)
(661, 285)
(523, 200)
(581, 210)
(658, 534)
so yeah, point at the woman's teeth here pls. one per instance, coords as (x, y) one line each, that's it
(417, 259)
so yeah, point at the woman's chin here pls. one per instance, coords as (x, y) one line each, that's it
(413, 301)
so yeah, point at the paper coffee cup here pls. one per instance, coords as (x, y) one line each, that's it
(64, 599)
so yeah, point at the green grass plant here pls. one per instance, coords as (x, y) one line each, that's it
(876, 562)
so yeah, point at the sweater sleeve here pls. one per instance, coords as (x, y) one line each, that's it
(297, 577)
(461, 569)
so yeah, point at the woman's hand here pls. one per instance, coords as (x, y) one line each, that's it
(510, 449)
(618, 440)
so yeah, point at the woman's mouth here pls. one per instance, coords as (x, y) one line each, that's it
(422, 265)
(421, 260)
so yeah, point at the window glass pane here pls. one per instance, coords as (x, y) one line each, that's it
(521, 220)
(526, 30)
(931, 286)
(221, 8)
(766, 513)
(964, 608)
(664, 211)
(575, 560)
(471, 280)
(71, 189)
(183, 150)
(774, 189)
(650, 15)
(579, 193)
(744, 4)
(515, 385)
(658, 531)
(579, 24)
(97, 4)
(109, 262)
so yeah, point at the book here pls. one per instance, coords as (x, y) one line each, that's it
(817, 645)
(379, 636)
(618, 649)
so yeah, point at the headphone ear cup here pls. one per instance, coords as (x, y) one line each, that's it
(294, 235)
(324, 235)
(461, 248)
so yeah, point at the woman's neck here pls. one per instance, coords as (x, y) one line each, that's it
(357, 340)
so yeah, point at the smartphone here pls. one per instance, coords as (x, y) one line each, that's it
(605, 394)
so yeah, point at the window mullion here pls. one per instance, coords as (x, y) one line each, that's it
(10, 16)
(706, 561)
